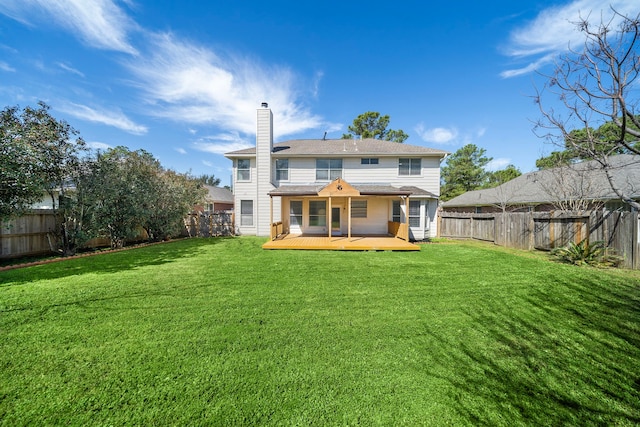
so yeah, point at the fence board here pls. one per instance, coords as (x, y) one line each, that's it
(546, 231)
(210, 224)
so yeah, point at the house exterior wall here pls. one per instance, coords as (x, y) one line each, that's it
(245, 190)
(376, 222)
(302, 171)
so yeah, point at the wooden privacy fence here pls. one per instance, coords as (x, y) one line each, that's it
(548, 230)
(27, 234)
(210, 224)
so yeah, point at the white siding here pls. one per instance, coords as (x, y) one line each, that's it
(264, 146)
(303, 171)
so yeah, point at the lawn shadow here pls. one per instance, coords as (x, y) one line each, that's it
(568, 354)
(108, 262)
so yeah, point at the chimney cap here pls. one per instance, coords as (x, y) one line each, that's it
(265, 105)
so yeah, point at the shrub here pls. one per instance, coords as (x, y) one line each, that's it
(587, 253)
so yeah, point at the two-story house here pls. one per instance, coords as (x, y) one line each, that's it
(343, 187)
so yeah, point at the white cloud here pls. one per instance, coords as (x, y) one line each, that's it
(316, 83)
(189, 83)
(181, 150)
(70, 69)
(6, 67)
(222, 143)
(553, 31)
(98, 145)
(497, 164)
(438, 135)
(98, 23)
(116, 118)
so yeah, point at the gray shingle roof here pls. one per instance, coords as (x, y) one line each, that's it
(342, 147)
(545, 186)
(219, 194)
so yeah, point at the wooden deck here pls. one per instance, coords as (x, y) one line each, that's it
(340, 243)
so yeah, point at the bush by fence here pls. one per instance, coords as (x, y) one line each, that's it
(29, 234)
(548, 230)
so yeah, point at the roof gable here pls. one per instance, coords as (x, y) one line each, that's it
(338, 187)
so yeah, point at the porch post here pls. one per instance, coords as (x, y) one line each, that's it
(349, 219)
(329, 219)
(406, 217)
(271, 232)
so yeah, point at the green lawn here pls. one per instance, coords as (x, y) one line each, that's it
(221, 332)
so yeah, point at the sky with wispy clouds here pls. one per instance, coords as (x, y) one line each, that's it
(183, 79)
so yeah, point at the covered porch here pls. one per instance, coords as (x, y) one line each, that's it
(339, 216)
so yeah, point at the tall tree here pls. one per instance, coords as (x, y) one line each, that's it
(464, 171)
(501, 176)
(21, 181)
(40, 156)
(373, 125)
(208, 180)
(597, 85)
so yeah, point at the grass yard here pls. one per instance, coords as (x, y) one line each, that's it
(221, 332)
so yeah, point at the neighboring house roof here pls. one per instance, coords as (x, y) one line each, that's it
(586, 179)
(342, 147)
(219, 194)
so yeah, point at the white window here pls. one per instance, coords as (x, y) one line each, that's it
(409, 166)
(244, 170)
(328, 169)
(282, 169)
(246, 212)
(369, 161)
(414, 213)
(317, 213)
(358, 209)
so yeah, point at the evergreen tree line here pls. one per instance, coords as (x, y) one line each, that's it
(114, 193)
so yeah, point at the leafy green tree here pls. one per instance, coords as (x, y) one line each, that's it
(127, 191)
(464, 171)
(373, 125)
(39, 156)
(21, 181)
(173, 198)
(208, 180)
(501, 176)
(588, 144)
(116, 190)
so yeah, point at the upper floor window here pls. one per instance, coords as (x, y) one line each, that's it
(409, 166)
(282, 169)
(328, 169)
(369, 161)
(244, 170)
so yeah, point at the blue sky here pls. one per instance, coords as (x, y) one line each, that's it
(182, 79)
